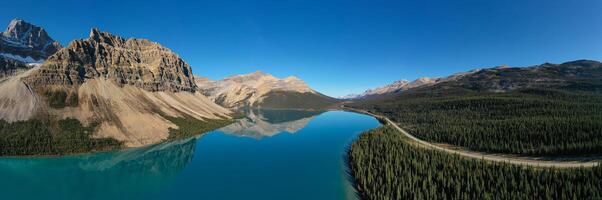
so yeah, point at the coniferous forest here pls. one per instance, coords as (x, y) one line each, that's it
(385, 166)
(48, 137)
(529, 121)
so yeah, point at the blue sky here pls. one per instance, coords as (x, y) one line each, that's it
(338, 47)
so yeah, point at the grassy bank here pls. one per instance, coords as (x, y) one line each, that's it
(385, 166)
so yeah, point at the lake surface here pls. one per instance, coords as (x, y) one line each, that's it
(268, 155)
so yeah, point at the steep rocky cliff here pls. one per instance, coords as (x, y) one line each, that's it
(23, 45)
(134, 91)
(9, 67)
(26, 42)
(138, 62)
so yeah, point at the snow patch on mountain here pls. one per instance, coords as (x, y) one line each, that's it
(19, 58)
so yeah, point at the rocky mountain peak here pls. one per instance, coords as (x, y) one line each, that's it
(105, 37)
(292, 78)
(247, 89)
(26, 42)
(258, 73)
(137, 62)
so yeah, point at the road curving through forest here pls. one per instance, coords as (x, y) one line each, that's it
(557, 162)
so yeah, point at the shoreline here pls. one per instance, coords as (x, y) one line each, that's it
(112, 150)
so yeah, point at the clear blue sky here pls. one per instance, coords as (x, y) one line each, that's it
(337, 47)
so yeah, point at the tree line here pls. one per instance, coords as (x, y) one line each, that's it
(385, 166)
(533, 121)
(46, 137)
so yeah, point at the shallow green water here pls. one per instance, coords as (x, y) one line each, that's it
(269, 155)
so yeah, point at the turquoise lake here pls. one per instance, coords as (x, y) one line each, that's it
(268, 155)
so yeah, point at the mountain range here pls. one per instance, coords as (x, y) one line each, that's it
(130, 90)
(106, 91)
(263, 90)
(579, 75)
(403, 85)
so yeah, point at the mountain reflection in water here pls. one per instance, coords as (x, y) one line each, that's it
(306, 165)
(266, 123)
(106, 175)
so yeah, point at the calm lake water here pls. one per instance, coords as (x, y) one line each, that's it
(268, 155)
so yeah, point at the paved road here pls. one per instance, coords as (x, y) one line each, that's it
(520, 160)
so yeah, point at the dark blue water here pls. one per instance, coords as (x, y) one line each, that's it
(269, 155)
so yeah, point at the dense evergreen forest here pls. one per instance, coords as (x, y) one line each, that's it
(46, 137)
(528, 121)
(299, 101)
(68, 136)
(190, 126)
(385, 166)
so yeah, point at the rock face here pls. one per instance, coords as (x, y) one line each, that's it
(26, 42)
(22, 46)
(9, 67)
(249, 89)
(137, 62)
(131, 89)
(259, 124)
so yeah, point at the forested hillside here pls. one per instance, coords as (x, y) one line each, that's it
(385, 166)
(543, 110)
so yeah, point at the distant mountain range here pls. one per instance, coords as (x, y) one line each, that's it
(577, 74)
(403, 85)
(263, 90)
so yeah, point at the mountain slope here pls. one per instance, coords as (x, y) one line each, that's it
(403, 85)
(23, 44)
(136, 62)
(263, 90)
(128, 90)
(27, 42)
(548, 109)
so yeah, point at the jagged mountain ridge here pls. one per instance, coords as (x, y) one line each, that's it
(403, 85)
(251, 90)
(26, 42)
(114, 83)
(574, 75)
(137, 62)
(581, 75)
(23, 45)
